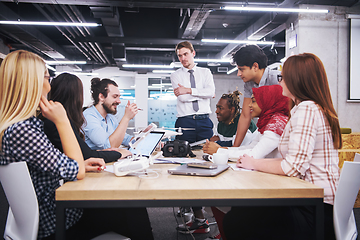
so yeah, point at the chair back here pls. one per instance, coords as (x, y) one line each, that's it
(345, 196)
(23, 216)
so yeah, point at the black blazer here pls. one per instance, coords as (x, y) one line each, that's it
(53, 135)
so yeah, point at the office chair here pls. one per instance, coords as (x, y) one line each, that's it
(23, 216)
(345, 196)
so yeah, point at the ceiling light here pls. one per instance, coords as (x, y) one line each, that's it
(212, 60)
(53, 54)
(232, 70)
(78, 24)
(50, 67)
(238, 41)
(176, 64)
(150, 49)
(145, 66)
(78, 73)
(163, 71)
(64, 62)
(268, 9)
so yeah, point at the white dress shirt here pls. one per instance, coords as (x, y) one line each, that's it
(204, 91)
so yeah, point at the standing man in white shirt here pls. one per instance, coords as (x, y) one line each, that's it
(193, 87)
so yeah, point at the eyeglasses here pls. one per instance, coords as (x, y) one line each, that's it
(279, 78)
(47, 77)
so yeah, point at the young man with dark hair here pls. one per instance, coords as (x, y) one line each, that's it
(194, 87)
(102, 130)
(251, 62)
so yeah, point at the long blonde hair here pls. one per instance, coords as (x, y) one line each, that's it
(21, 83)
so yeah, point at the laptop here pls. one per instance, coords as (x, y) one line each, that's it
(203, 172)
(148, 144)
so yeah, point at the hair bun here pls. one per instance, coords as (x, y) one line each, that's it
(95, 81)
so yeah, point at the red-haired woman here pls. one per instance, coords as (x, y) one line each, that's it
(308, 148)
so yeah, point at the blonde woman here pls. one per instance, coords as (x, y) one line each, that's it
(24, 81)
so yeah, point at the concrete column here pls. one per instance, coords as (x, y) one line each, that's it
(327, 36)
(141, 99)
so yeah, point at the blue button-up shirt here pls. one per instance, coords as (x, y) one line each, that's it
(98, 129)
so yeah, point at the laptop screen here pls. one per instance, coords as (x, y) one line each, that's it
(147, 145)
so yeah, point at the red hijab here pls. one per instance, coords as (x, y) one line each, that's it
(272, 102)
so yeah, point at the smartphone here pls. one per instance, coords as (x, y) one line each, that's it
(206, 165)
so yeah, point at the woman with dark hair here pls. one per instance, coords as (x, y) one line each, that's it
(308, 148)
(68, 90)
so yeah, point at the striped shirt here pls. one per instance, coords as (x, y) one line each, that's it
(308, 151)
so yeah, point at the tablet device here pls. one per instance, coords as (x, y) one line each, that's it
(203, 172)
(148, 144)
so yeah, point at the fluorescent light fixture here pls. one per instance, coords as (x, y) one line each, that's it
(150, 49)
(237, 41)
(272, 9)
(145, 66)
(64, 62)
(53, 54)
(78, 24)
(176, 64)
(50, 67)
(78, 73)
(232, 70)
(163, 71)
(212, 60)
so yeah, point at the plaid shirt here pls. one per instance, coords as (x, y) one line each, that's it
(308, 150)
(26, 141)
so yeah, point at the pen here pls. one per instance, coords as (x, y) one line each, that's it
(140, 109)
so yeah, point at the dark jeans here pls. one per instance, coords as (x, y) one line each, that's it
(130, 222)
(224, 143)
(281, 223)
(203, 129)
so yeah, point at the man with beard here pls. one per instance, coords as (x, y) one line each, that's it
(101, 129)
(194, 87)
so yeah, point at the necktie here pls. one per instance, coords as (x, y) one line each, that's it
(193, 85)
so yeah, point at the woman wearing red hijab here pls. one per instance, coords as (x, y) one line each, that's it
(272, 108)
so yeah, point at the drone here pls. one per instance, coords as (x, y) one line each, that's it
(169, 133)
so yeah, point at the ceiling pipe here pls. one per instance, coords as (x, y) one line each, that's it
(87, 50)
(62, 32)
(96, 57)
(102, 52)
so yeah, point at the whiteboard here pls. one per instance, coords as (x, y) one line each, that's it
(355, 59)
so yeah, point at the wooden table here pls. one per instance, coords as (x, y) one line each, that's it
(231, 188)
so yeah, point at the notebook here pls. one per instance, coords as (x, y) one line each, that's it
(203, 172)
(148, 144)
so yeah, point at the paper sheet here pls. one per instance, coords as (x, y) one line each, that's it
(235, 168)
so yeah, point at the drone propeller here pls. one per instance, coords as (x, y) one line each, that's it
(180, 128)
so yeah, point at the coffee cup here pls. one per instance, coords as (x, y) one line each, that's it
(220, 158)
